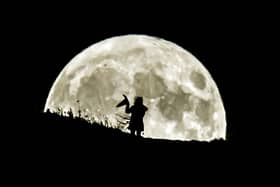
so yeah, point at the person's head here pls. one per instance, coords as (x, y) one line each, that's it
(138, 101)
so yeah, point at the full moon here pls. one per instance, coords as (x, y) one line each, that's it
(183, 100)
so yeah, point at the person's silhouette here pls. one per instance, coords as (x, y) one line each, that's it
(137, 111)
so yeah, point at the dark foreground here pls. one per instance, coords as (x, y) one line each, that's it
(54, 129)
(55, 134)
(63, 146)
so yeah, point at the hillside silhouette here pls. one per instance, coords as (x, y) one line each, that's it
(53, 129)
(73, 145)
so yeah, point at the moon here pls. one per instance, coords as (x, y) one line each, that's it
(183, 100)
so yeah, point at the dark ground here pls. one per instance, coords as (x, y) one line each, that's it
(76, 138)
(56, 146)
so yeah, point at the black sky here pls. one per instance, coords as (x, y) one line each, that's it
(46, 37)
(234, 41)
(229, 38)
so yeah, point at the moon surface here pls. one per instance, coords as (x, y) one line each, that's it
(183, 100)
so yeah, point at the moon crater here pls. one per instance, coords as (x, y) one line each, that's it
(198, 80)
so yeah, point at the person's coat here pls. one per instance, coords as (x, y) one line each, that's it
(137, 113)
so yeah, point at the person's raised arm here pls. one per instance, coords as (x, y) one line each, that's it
(127, 108)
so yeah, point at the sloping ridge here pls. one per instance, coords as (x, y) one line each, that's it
(55, 127)
(54, 139)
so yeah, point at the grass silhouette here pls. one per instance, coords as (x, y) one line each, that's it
(65, 127)
(59, 140)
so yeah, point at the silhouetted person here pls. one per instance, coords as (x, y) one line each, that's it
(137, 114)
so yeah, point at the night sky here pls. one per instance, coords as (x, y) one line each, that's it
(229, 39)
(48, 37)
